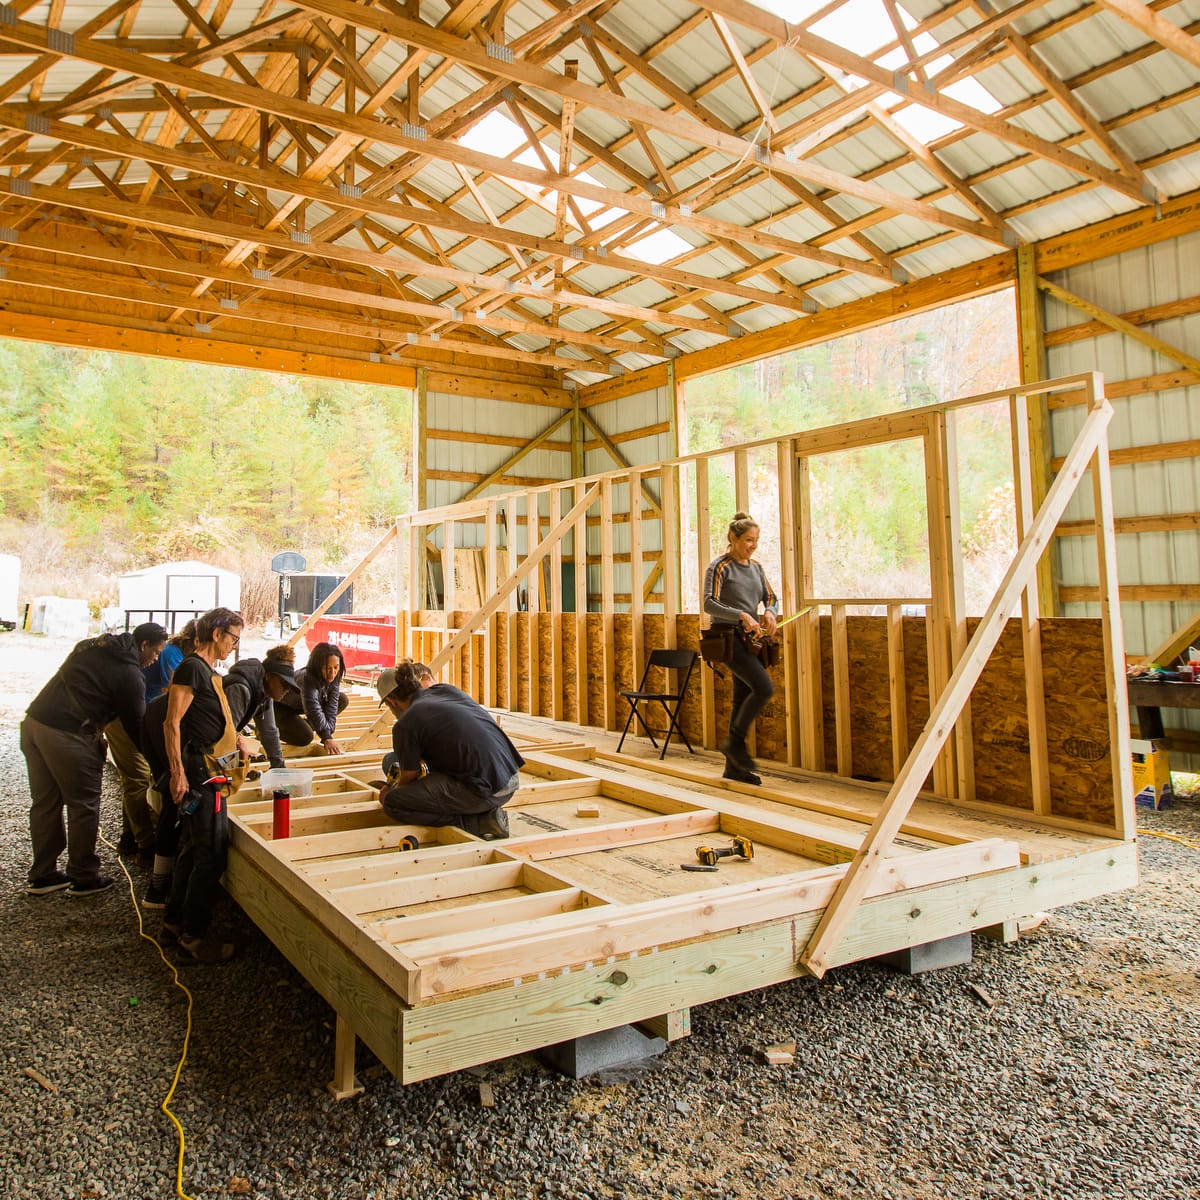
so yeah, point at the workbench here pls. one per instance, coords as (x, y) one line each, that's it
(1149, 696)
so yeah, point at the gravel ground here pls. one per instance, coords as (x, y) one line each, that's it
(1080, 1080)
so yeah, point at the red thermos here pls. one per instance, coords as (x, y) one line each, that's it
(281, 813)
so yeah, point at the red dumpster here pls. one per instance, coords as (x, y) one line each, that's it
(365, 642)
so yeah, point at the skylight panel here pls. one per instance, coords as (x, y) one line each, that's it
(495, 134)
(658, 247)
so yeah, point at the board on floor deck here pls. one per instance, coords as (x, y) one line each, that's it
(461, 951)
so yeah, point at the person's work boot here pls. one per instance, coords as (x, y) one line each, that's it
(56, 881)
(205, 951)
(734, 749)
(492, 824)
(737, 775)
(168, 933)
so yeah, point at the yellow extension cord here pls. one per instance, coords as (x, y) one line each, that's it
(187, 1033)
(1171, 837)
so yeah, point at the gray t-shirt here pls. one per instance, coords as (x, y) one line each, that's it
(731, 588)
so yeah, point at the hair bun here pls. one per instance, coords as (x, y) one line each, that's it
(742, 516)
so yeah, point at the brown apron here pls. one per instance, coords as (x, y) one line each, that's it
(224, 758)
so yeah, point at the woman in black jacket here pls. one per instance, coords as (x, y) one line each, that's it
(314, 710)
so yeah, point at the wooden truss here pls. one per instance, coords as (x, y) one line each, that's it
(295, 190)
(458, 951)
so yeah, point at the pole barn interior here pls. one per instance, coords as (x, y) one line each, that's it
(544, 218)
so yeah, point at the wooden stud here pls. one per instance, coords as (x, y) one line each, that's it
(608, 653)
(1031, 624)
(555, 682)
(785, 468)
(841, 690)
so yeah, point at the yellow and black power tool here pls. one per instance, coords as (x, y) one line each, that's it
(740, 847)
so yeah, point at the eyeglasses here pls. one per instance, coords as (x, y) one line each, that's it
(237, 637)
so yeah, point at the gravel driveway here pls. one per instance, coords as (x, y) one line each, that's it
(1080, 1079)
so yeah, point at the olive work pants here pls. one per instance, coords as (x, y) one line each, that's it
(65, 770)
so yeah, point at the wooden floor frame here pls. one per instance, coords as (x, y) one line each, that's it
(458, 952)
(461, 951)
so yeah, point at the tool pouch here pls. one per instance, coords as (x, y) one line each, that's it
(716, 644)
(768, 652)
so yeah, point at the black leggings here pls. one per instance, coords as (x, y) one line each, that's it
(752, 688)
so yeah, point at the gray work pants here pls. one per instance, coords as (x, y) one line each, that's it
(437, 799)
(65, 770)
(135, 780)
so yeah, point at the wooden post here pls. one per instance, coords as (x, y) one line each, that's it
(938, 623)
(669, 485)
(344, 1085)
(1031, 334)
(808, 633)
(704, 555)
(608, 657)
(1110, 623)
(1031, 624)
(785, 473)
(491, 571)
(555, 682)
(582, 715)
(636, 572)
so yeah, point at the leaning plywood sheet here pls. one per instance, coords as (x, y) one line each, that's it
(458, 951)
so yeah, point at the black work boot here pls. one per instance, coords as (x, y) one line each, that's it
(734, 749)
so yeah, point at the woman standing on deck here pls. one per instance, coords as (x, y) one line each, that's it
(735, 586)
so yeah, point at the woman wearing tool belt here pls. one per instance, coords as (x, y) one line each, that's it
(735, 586)
(201, 743)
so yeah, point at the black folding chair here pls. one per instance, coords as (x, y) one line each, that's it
(681, 662)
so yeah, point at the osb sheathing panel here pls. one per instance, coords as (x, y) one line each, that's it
(1075, 702)
(570, 668)
(1076, 706)
(595, 669)
(524, 684)
(500, 629)
(1077, 719)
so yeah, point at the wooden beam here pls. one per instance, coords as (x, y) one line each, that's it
(1120, 325)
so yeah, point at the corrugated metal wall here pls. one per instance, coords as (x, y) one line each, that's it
(1160, 485)
(616, 417)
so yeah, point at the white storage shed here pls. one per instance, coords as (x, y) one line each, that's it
(174, 592)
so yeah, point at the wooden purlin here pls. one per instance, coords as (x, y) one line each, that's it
(869, 859)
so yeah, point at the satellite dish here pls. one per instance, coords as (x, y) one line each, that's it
(289, 560)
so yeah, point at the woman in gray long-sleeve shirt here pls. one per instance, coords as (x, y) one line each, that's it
(735, 586)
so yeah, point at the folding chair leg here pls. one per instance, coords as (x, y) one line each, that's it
(628, 719)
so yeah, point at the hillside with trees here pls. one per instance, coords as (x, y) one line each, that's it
(113, 462)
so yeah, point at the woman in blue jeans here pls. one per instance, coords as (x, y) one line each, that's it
(735, 588)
